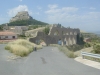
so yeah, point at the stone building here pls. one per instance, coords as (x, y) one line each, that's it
(7, 35)
(58, 35)
(20, 30)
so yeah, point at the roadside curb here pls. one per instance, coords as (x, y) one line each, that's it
(88, 62)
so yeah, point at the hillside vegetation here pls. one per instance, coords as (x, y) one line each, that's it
(26, 22)
(95, 42)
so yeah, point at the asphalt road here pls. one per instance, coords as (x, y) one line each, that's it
(47, 61)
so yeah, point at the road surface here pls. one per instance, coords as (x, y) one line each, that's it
(47, 61)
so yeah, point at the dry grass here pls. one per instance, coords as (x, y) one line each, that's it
(65, 50)
(21, 47)
(78, 53)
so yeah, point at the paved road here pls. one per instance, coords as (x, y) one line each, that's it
(43, 62)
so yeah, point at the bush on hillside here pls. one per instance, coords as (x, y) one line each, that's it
(87, 45)
(96, 49)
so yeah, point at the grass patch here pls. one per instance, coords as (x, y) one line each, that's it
(75, 47)
(21, 47)
(65, 50)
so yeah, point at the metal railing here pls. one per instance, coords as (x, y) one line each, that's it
(90, 55)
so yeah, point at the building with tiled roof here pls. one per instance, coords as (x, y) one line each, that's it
(7, 35)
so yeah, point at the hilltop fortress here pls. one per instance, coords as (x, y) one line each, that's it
(23, 15)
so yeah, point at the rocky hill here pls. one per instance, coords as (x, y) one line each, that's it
(23, 15)
(23, 18)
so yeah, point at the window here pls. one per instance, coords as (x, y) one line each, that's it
(6, 36)
(13, 37)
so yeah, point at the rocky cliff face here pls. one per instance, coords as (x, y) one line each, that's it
(23, 15)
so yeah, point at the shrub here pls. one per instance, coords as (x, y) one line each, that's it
(96, 49)
(71, 55)
(21, 47)
(75, 47)
(87, 45)
(46, 30)
(19, 50)
(7, 47)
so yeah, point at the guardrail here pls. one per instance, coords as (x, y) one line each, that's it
(90, 55)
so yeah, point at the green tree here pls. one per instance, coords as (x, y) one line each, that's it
(80, 39)
(46, 30)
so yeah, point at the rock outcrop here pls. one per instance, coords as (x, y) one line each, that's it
(23, 15)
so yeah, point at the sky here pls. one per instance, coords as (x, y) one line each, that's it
(82, 14)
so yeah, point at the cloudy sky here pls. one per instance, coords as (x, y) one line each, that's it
(83, 14)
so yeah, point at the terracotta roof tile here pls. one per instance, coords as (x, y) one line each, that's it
(7, 33)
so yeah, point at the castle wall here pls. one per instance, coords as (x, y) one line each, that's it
(68, 36)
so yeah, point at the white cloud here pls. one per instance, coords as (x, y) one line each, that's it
(92, 8)
(53, 9)
(74, 17)
(14, 11)
(56, 14)
(69, 14)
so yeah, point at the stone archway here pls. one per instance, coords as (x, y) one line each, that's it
(60, 42)
(70, 41)
(42, 42)
(65, 41)
(73, 40)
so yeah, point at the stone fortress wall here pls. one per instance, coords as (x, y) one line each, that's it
(67, 36)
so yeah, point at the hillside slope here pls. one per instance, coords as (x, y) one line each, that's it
(27, 22)
(23, 18)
